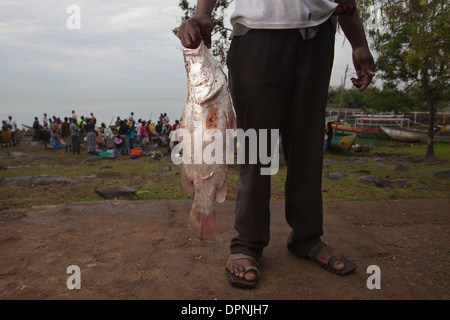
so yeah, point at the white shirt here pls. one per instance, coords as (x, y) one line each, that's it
(13, 125)
(282, 14)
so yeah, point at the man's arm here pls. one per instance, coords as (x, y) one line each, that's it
(362, 58)
(199, 27)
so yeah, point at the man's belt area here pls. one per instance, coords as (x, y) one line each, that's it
(344, 10)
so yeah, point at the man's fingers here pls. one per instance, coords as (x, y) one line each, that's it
(193, 30)
(206, 34)
(189, 34)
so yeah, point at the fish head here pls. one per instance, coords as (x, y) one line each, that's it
(205, 76)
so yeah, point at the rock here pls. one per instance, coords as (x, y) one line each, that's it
(18, 155)
(401, 182)
(44, 157)
(98, 158)
(156, 155)
(361, 171)
(401, 168)
(327, 163)
(36, 180)
(115, 191)
(443, 174)
(17, 167)
(160, 170)
(356, 160)
(378, 181)
(335, 175)
(21, 155)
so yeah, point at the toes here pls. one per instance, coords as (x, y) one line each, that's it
(250, 276)
(338, 264)
(326, 253)
(238, 267)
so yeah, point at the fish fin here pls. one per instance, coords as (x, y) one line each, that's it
(221, 192)
(187, 184)
(202, 225)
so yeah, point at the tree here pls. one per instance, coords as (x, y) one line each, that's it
(412, 41)
(220, 34)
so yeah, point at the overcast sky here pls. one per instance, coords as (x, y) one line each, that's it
(124, 50)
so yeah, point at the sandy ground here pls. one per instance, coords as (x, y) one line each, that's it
(144, 250)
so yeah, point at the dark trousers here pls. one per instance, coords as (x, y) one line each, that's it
(76, 144)
(280, 81)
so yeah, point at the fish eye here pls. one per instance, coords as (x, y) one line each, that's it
(187, 65)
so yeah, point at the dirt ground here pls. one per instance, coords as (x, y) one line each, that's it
(144, 250)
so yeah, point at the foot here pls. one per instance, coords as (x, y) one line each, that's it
(326, 253)
(331, 259)
(238, 267)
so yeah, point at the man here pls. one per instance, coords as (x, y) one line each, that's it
(13, 125)
(279, 64)
(36, 127)
(75, 134)
(74, 116)
(65, 133)
(45, 121)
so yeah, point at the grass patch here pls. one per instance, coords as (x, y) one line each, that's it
(161, 179)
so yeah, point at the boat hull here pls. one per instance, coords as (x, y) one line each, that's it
(414, 135)
(365, 133)
(343, 143)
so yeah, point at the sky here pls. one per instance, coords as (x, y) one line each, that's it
(120, 51)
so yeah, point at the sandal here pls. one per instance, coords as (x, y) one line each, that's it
(348, 265)
(238, 281)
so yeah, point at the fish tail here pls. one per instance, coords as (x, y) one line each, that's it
(201, 224)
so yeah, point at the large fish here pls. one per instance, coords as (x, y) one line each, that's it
(208, 110)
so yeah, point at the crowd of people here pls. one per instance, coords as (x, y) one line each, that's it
(75, 132)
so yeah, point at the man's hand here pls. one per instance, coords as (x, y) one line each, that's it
(364, 66)
(195, 29)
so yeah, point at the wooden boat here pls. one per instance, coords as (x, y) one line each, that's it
(344, 143)
(27, 127)
(414, 135)
(369, 126)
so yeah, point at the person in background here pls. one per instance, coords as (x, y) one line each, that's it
(131, 136)
(65, 133)
(124, 131)
(117, 123)
(13, 125)
(329, 136)
(6, 134)
(167, 136)
(142, 132)
(36, 126)
(175, 125)
(45, 121)
(74, 116)
(81, 124)
(55, 142)
(91, 136)
(93, 119)
(158, 127)
(75, 135)
(109, 136)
